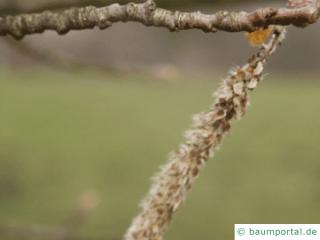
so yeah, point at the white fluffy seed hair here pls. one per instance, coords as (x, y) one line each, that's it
(175, 179)
(300, 3)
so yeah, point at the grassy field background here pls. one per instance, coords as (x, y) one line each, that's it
(62, 134)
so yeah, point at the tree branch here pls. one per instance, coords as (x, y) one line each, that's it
(18, 7)
(15, 7)
(148, 14)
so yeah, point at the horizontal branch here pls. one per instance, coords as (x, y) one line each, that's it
(14, 7)
(19, 7)
(148, 14)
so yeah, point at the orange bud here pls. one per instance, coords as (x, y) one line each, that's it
(258, 37)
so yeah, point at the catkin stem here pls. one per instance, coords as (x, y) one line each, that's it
(171, 185)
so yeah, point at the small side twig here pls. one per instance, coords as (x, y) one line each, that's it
(53, 60)
(176, 178)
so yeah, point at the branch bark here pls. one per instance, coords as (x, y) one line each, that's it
(15, 7)
(148, 14)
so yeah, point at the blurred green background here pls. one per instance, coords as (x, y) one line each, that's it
(86, 119)
(62, 134)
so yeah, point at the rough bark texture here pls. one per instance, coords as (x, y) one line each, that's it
(22, 6)
(148, 14)
(176, 178)
(19, 7)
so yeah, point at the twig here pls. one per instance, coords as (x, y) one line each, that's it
(176, 178)
(148, 14)
(53, 60)
(13, 7)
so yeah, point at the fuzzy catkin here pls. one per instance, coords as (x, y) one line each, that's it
(175, 179)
